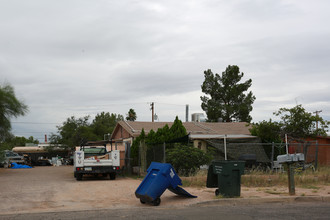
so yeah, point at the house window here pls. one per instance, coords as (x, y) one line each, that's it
(199, 145)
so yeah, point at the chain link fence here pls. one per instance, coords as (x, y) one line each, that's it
(254, 154)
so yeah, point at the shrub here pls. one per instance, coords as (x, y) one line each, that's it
(186, 159)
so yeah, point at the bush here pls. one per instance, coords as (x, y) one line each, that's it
(186, 159)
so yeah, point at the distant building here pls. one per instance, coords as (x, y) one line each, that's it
(198, 117)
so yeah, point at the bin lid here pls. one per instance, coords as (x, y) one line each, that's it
(168, 171)
(225, 167)
(181, 192)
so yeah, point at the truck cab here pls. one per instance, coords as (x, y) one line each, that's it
(10, 157)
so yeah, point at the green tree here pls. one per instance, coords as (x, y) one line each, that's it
(104, 123)
(73, 132)
(21, 141)
(267, 131)
(177, 129)
(10, 107)
(162, 134)
(227, 99)
(152, 137)
(131, 115)
(295, 122)
(298, 123)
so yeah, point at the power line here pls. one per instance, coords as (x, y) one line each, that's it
(25, 122)
(170, 104)
(33, 132)
(93, 106)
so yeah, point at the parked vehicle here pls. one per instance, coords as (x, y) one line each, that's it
(10, 157)
(95, 160)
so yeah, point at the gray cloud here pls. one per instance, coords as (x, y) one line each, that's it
(82, 57)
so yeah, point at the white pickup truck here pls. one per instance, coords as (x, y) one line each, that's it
(95, 160)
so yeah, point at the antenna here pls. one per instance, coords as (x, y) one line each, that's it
(317, 122)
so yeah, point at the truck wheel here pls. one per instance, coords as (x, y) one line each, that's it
(112, 176)
(142, 202)
(79, 176)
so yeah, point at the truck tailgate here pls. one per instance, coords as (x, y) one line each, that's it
(98, 163)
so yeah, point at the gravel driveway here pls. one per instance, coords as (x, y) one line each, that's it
(54, 189)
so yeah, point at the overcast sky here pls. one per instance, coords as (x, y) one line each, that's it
(76, 58)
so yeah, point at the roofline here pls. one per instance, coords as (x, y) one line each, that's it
(219, 136)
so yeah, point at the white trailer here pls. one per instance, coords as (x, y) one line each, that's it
(93, 160)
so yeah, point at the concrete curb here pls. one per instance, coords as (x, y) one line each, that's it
(256, 201)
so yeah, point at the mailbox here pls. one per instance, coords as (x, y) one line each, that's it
(289, 158)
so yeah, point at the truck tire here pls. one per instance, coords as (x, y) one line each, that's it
(79, 176)
(112, 176)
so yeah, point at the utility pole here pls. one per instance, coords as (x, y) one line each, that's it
(152, 110)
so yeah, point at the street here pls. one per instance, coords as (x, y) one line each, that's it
(301, 210)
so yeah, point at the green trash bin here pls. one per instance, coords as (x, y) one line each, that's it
(226, 176)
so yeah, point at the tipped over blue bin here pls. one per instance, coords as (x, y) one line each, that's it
(160, 176)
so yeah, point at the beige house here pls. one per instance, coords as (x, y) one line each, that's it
(199, 132)
(202, 134)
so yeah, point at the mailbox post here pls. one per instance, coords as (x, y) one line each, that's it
(289, 160)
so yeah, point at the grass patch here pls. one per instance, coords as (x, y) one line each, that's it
(220, 197)
(196, 180)
(310, 187)
(306, 179)
(274, 192)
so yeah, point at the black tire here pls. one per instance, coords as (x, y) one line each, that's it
(156, 202)
(143, 202)
(217, 192)
(112, 176)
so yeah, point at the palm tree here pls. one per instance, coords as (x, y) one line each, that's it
(10, 107)
(131, 115)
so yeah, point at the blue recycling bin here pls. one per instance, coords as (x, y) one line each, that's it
(160, 176)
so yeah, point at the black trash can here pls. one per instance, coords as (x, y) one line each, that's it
(226, 176)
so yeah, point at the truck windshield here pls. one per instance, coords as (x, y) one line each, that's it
(11, 154)
(94, 151)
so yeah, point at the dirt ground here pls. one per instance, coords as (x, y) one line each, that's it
(46, 189)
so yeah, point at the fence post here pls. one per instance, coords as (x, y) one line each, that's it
(272, 159)
(316, 154)
(128, 159)
(225, 146)
(143, 156)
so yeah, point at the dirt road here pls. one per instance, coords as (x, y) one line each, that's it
(47, 189)
(55, 188)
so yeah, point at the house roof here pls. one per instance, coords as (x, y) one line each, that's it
(195, 129)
